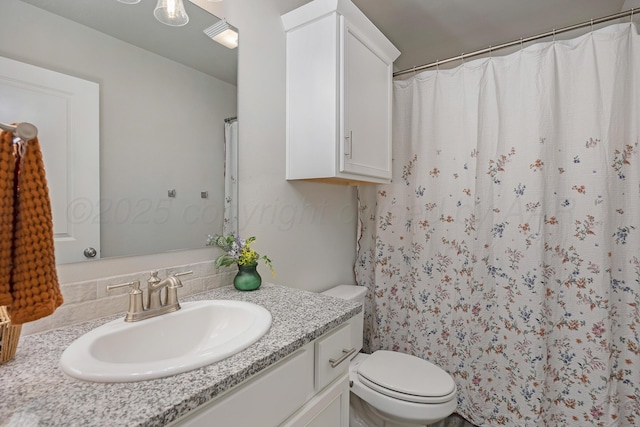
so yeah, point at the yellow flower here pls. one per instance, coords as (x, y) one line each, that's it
(237, 251)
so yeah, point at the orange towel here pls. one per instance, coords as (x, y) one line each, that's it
(28, 278)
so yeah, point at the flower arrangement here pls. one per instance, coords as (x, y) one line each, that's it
(237, 251)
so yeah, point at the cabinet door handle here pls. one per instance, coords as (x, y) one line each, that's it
(348, 147)
(346, 353)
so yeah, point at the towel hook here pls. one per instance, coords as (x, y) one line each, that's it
(25, 131)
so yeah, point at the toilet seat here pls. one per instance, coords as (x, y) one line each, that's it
(406, 377)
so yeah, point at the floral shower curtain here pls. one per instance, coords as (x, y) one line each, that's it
(507, 248)
(230, 224)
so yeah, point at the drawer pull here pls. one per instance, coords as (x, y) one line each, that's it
(345, 355)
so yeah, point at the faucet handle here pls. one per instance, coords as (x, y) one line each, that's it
(184, 273)
(135, 286)
(135, 299)
(172, 288)
(177, 283)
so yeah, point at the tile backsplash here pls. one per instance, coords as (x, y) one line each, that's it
(89, 299)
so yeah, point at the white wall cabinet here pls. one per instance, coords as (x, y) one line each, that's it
(303, 389)
(339, 76)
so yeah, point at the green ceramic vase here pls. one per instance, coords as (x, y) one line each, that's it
(247, 278)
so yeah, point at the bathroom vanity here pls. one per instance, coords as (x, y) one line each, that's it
(285, 378)
(303, 390)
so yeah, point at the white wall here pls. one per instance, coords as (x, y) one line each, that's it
(307, 229)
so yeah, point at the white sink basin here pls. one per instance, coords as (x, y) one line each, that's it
(197, 335)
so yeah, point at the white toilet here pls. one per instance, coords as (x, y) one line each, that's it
(391, 389)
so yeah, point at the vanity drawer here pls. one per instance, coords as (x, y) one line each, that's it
(333, 353)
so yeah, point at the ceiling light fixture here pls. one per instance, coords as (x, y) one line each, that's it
(171, 12)
(223, 33)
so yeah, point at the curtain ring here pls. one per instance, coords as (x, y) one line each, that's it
(554, 34)
(631, 16)
(592, 25)
(521, 46)
(462, 57)
(437, 65)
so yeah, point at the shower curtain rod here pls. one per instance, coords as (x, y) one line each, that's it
(519, 42)
(230, 119)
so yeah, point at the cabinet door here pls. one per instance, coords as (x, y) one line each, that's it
(264, 400)
(366, 106)
(335, 412)
(329, 408)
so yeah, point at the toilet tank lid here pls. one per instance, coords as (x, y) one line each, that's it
(347, 292)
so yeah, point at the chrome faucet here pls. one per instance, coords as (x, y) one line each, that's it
(155, 305)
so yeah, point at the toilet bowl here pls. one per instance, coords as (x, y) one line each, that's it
(399, 390)
(392, 389)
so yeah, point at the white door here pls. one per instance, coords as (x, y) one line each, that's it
(367, 107)
(65, 111)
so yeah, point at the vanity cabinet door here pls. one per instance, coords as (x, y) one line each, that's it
(366, 147)
(264, 400)
(330, 407)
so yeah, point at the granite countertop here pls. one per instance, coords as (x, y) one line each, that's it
(35, 391)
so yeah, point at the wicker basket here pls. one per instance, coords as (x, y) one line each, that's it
(9, 336)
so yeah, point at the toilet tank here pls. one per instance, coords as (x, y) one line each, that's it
(352, 293)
